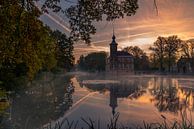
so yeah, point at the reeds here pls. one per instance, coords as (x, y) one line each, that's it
(113, 124)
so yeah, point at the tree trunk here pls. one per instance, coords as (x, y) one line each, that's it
(161, 65)
(169, 63)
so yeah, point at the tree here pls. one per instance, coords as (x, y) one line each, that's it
(25, 44)
(153, 61)
(158, 50)
(64, 50)
(141, 61)
(95, 61)
(145, 62)
(172, 44)
(187, 48)
(134, 50)
(165, 49)
(81, 62)
(84, 13)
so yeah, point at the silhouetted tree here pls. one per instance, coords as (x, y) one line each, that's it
(158, 49)
(145, 62)
(81, 62)
(93, 62)
(172, 44)
(153, 61)
(141, 60)
(134, 50)
(83, 13)
(64, 50)
(187, 48)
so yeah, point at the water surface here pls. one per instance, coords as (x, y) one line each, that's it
(78, 96)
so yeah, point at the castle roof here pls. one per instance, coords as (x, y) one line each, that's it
(123, 53)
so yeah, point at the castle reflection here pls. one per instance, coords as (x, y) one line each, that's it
(167, 94)
(131, 89)
(50, 98)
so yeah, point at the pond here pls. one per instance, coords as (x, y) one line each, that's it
(83, 96)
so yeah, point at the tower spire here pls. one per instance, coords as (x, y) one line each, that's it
(113, 37)
(113, 28)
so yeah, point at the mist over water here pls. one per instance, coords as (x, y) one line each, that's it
(99, 96)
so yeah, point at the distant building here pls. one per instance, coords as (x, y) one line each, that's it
(119, 61)
(185, 65)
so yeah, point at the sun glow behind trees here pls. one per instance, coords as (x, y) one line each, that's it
(174, 18)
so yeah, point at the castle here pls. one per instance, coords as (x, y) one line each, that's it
(119, 61)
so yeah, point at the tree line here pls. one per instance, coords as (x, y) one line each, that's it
(163, 56)
(166, 51)
(93, 62)
(27, 46)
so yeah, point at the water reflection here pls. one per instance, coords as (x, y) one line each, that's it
(166, 94)
(131, 89)
(45, 100)
(136, 98)
(170, 96)
(4, 105)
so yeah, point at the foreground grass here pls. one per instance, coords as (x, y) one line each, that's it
(113, 124)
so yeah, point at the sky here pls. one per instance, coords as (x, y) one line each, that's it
(175, 17)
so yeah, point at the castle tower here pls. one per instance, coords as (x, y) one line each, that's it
(113, 47)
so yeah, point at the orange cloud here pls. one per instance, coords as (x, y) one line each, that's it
(175, 17)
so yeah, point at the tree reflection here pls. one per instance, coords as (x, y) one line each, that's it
(4, 105)
(169, 96)
(45, 101)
